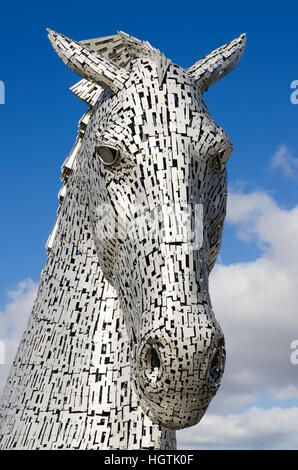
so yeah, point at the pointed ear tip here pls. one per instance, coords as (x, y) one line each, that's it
(51, 34)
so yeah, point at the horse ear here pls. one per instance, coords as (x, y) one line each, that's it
(218, 63)
(88, 64)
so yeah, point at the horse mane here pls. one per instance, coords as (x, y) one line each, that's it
(121, 49)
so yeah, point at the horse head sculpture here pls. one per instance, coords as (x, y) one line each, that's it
(154, 159)
(122, 346)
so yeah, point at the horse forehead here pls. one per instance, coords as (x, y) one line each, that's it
(170, 75)
(177, 96)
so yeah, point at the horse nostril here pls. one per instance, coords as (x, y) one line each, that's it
(155, 362)
(152, 364)
(217, 366)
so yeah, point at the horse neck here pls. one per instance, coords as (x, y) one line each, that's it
(70, 384)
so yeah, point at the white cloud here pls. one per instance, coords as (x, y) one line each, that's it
(284, 160)
(286, 393)
(13, 321)
(275, 428)
(256, 304)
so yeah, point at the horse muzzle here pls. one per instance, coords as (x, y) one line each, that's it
(176, 380)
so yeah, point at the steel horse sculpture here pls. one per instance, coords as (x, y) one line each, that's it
(122, 347)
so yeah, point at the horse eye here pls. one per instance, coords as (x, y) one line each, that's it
(224, 154)
(108, 155)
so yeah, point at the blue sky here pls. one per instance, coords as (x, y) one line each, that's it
(39, 124)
